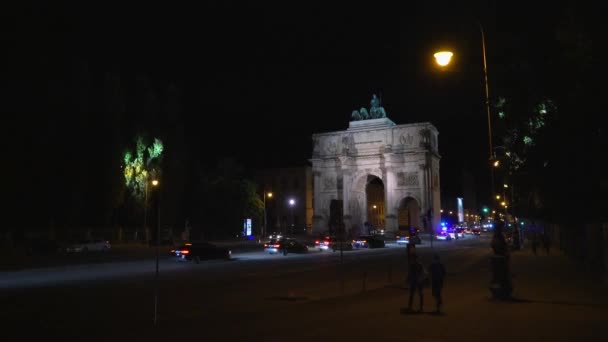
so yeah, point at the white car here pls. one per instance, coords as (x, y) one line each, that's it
(85, 246)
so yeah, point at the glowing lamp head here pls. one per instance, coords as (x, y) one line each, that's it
(292, 202)
(155, 182)
(443, 58)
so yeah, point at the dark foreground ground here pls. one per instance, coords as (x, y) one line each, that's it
(304, 297)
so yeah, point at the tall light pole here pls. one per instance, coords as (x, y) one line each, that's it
(292, 203)
(375, 213)
(443, 58)
(156, 280)
(264, 230)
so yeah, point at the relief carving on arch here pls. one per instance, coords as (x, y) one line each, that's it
(331, 147)
(411, 179)
(329, 183)
(406, 139)
(400, 178)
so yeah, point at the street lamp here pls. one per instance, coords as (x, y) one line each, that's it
(375, 216)
(155, 184)
(264, 230)
(443, 58)
(292, 203)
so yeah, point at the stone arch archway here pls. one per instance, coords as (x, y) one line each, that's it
(398, 155)
(409, 214)
(368, 196)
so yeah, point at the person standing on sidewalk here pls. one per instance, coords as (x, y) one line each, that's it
(534, 243)
(437, 271)
(547, 243)
(415, 277)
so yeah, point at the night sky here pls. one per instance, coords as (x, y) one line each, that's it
(256, 81)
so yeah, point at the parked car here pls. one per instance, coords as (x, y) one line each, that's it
(85, 246)
(368, 241)
(200, 251)
(476, 231)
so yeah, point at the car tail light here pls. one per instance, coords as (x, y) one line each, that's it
(185, 251)
(173, 251)
(397, 236)
(265, 245)
(316, 242)
(326, 243)
(364, 241)
(276, 246)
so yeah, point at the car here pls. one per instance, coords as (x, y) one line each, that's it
(323, 244)
(459, 232)
(404, 239)
(443, 236)
(476, 231)
(331, 242)
(368, 241)
(198, 251)
(85, 246)
(293, 246)
(336, 244)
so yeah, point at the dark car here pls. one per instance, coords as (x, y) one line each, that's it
(336, 244)
(476, 231)
(368, 241)
(293, 246)
(200, 251)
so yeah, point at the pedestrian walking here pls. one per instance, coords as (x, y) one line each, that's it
(416, 279)
(438, 273)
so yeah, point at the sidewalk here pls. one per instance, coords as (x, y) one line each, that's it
(552, 300)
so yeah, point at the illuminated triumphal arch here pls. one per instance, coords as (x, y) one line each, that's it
(376, 175)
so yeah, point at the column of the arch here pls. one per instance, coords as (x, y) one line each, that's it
(435, 191)
(391, 202)
(347, 184)
(426, 192)
(319, 221)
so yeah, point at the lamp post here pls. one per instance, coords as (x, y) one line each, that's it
(443, 58)
(375, 214)
(264, 230)
(292, 203)
(156, 280)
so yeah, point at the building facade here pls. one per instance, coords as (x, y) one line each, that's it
(290, 208)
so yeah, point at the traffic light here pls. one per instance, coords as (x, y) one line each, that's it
(484, 213)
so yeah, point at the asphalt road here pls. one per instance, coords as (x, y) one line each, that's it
(214, 298)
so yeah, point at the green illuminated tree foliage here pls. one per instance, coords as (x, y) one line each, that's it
(141, 165)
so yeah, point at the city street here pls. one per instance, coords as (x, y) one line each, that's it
(302, 297)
